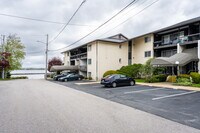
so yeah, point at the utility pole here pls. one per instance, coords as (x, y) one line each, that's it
(3, 42)
(47, 43)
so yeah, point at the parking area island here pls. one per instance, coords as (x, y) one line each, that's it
(39, 106)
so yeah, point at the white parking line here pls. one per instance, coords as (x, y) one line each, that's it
(174, 95)
(121, 88)
(143, 90)
(97, 86)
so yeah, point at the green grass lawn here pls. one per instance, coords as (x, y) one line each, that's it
(140, 80)
(196, 85)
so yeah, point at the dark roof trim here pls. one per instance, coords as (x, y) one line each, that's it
(102, 40)
(183, 23)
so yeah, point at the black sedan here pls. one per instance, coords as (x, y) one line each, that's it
(71, 77)
(117, 80)
(62, 75)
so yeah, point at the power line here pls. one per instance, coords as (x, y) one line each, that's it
(130, 18)
(39, 20)
(67, 22)
(98, 26)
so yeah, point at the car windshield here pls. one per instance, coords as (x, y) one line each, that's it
(69, 75)
(109, 76)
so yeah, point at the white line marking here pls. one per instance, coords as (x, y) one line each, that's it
(174, 95)
(143, 90)
(121, 88)
(97, 86)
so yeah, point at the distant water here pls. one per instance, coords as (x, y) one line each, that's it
(34, 76)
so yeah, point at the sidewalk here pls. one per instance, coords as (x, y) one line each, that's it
(169, 85)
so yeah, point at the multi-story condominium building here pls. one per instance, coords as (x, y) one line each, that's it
(94, 58)
(176, 47)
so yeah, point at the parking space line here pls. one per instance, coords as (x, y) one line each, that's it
(121, 88)
(174, 95)
(97, 86)
(143, 90)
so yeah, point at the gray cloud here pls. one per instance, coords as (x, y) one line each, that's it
(93, 12)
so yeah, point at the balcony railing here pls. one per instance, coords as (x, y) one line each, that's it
(79, 56)
(82, 68)
(181, 40)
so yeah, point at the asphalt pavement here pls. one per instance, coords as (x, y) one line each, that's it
(38, 106)
(178, 105)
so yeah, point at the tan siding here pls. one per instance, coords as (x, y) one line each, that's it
(109, 55)
(139, 47)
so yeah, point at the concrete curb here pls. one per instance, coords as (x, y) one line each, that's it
(169, 85)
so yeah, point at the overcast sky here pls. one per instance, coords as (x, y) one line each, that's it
(93, 13)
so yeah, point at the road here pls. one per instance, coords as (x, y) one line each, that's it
(38, 106)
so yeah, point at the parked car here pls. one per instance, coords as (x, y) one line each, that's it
(117, 80)
(62, 75)
(71, 77)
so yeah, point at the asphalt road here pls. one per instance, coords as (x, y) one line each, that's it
(38, 106)
(181, 106)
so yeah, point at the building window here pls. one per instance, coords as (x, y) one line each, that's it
(120, 60)
(67, 53)
(168, 53)
(147, 54)
(147, 39)
(89, 61)
(166, 39)
(89, 48)
(89, 74)
(120, 46)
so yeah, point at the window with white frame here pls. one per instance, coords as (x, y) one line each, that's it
(120, 46)
(89, 48)
(89, 61)
(89, 75)
(166, 39)
(147, 54)
(120, 60)
(147, 39)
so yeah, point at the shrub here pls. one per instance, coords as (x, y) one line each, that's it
(183, 76)
(131, 70)
(195, 77)
(153, 79)
(184, 81)
(171, 78)
(21, 77)
(156, 78)
(110, 72)
(161, 77)
(89, 78)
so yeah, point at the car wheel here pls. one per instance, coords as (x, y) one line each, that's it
(66, 80)
(114, 85)
(79, 78)
(132, 83)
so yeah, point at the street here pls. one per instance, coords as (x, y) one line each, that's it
(39, 106)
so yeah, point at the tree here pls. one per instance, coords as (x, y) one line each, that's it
(15, 47)
(4, 63)
(55, 61)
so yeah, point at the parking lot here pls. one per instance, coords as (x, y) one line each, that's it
(181, 106)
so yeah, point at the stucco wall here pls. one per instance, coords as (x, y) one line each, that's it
(92, 55)
(109, 55)
(139, 47)
(66, 59)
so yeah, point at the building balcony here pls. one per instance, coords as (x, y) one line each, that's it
(189, 39)
(79, 56)
(83, 68)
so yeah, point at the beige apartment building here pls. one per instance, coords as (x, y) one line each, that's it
(93, 59)
(176, 47)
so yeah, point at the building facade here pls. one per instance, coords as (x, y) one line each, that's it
(95, 58)
(176, 47)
